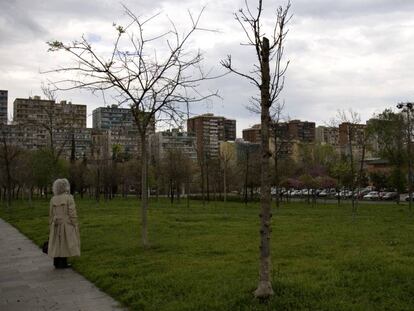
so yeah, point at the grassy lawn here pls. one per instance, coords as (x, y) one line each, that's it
(206, 258)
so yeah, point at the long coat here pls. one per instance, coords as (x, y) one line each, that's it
(64, 240)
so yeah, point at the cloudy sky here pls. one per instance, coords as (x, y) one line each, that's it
(343, 54)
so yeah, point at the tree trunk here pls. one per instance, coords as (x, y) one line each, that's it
(360, 172)
(207, 183)
(276, 173)
(144, 191)
(351, 158)
(246, 177)
(264, 289)
(188, 191)
(202, 182)
(225, 182)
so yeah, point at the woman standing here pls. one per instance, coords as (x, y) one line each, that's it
(64, 240)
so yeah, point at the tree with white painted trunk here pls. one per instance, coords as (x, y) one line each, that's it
(270, 83)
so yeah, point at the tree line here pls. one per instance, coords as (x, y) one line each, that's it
(231, 176)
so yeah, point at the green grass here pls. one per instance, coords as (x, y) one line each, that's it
(206, 258)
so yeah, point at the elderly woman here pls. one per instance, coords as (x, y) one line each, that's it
(64, 238)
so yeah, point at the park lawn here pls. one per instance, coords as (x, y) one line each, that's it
(206, 258)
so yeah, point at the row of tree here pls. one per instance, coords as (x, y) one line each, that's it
(24, 172)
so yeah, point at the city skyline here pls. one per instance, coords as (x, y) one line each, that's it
(347, 54)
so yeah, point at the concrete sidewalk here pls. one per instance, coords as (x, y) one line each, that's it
(28, 280)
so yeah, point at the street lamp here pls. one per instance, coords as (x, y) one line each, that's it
(408, 108)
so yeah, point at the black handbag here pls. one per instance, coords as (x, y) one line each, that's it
(45, 247)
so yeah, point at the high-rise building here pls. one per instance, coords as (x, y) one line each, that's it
(302, 131)
(252, 134)
(327, 135)
(162, 142)
(3, 106)
(37, 111)
(26, 137)
(122, 128)
(209, 131)
(351, 134)
(40, 123)
(295, 130)
(112, 117)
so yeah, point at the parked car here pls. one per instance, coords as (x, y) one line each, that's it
(324, 193)
(389, 196)
(372, 195)
(359, 194)
(407, 198)
(344, 194)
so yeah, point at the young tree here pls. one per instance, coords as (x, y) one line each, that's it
(226, 156)
(388, 130)
(356, 143)
(270, 83)
(154, 84)
(281, 142)
(9, 154)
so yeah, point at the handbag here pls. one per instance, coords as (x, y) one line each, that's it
(45, 247)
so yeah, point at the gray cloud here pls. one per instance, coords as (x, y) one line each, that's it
(349, 8)
(344, 54)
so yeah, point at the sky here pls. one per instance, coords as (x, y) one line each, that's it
(343, 54)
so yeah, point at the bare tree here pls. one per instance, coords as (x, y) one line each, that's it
(355, 134)
(154, 74)
(270, 83)
(9, 154)
(226, 156)
(281, 143)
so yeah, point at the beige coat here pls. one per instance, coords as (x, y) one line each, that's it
(64, 240)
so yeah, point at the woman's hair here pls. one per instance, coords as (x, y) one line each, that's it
(61, 186)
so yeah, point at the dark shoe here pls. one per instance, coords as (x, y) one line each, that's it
(56, 262)
(64, 263)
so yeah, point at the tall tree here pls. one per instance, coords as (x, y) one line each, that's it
(154, 74)
(270, 84)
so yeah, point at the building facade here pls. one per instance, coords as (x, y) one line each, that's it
(112, 117)
(3, 106)
(302, 131)
(209, 131)
(252, 134)
(162, 142)
(37, 111)
(351, 135)
(295, 130)
(327, 135)
(122, 128)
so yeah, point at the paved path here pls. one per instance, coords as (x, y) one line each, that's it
(28, 280)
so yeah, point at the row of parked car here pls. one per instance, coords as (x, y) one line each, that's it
(363, 194)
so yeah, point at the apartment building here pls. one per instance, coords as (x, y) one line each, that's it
(37, 111)
(3, 106)
(351, 134)
(112, 117)
(24, 136)
(162, 142)
(302, 131)
(252, 134)
(295, 130)
(121, 126)
(209, 130)
(327, 135)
